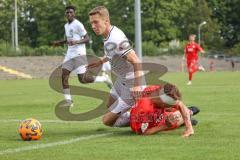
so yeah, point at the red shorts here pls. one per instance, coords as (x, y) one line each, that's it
(192, 65)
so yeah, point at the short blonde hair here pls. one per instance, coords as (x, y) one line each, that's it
(101, 10)
(192, 35)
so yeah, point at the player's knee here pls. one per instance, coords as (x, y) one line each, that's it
(64, 80)
(81, 80)
(107, 122)
(85, 80)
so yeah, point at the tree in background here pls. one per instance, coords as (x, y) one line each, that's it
(41, 22)
(210, 33)
(228, 15)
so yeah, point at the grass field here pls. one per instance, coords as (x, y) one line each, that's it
(217, 136)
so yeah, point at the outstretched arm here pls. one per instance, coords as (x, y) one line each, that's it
(186, 118)
(97, 63)
(137, 66)
(58, 43)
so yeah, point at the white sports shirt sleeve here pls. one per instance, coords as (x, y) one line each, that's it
(116, 46)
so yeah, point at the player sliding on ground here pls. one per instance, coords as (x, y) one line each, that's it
(160, 109)
(126, 65)
(191, 53)
(75, 59)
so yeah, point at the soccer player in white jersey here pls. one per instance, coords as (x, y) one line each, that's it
(75, 59)
(124, 64)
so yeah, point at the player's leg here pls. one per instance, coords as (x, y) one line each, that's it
(189, 72)
(192, 68)
(117, 115)
(85, 78)
(67, 67)
(118, 107)
(84, 75)
(195, 110)
(110, 118)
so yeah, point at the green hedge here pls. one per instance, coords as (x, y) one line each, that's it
(149, 49)
(7, 50)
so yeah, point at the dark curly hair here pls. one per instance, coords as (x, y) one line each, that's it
(70, 7)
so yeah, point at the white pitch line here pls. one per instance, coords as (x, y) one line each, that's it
(48, 145)
(51, 121)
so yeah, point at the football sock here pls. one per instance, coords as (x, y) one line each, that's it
(190, 76)
(100, 79)
(123, 120)
(66, 93)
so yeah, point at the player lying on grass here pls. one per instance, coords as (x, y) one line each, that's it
(160, 109)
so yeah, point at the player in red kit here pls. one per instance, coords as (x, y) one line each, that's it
(191, 53)
(160, 109)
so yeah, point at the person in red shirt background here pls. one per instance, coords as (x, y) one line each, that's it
(191, 54)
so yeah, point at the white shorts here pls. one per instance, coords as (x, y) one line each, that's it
(124, 99)
(76, 64)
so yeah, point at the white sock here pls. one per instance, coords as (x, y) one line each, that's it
(66, 93)
(100, 79)
(123, 120)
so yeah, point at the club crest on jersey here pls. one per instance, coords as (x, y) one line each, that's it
(144, 127)
(124, 45)
(110, 46)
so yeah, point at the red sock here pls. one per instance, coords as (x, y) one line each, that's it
(190, 76)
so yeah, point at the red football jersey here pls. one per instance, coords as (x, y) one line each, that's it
(145, 115)
(191, 50)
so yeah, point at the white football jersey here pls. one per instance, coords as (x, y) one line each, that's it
(116, 46)
(75, 31)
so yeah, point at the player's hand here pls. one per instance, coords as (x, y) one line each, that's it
(136, 92)
(94, 64)
(187, 133)
(55, 43)
(71, 43)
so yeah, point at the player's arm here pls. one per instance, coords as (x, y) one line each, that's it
(154, 130)
(186, 118)
(200, 49)
(58, 43)
(97, 63)
(137, 66)
(85, 39)
(185, 53)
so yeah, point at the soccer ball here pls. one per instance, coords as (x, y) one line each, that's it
(30, 129)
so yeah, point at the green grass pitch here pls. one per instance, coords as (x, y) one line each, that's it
(217, 136)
